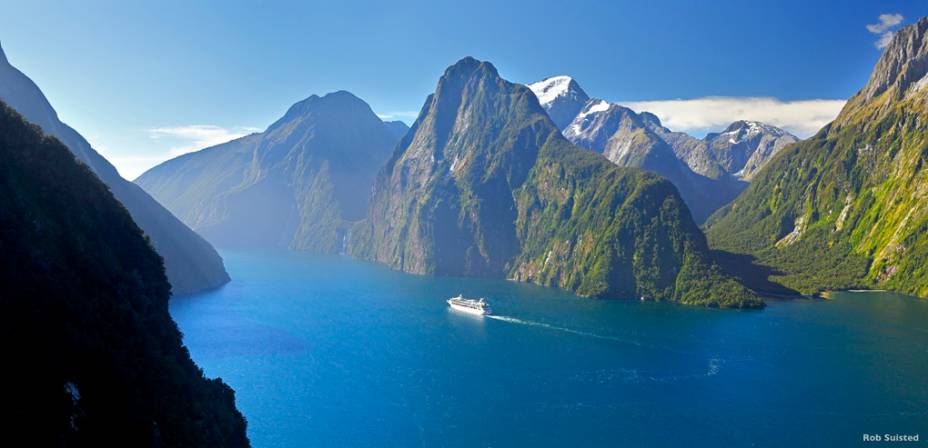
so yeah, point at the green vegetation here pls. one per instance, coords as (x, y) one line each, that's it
(604, 231)
(846, 208)
(92, 357)
(485, 185)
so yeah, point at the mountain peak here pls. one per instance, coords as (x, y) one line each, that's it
(550, 89)
(337, 105)
(468, 66)
(562, 98)
(904, 63)
(753, 127)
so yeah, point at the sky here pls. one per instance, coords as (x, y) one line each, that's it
(147, 81)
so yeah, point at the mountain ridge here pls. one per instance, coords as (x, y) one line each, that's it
(484, 184)
(854, 193)
(192, 264)
(709, 172)
(297, 184)
(94, 358)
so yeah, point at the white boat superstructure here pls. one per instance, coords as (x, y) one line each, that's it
(471, 306)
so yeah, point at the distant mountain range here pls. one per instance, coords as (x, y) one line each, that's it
(562, 98)
(91, 355)
(192, 264)
(848, 208)
(709, 172)
(484, 184)
(298, 184)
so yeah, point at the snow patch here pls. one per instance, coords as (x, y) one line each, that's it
(600, 106)
(549, 89)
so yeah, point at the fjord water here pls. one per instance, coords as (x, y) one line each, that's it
(329, 351)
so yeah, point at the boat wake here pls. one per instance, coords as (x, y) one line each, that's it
(532, 323)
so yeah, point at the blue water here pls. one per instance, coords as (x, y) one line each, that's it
(328, 351)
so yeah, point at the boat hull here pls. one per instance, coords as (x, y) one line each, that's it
(467, 309)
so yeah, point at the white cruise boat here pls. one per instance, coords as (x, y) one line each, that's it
(472, 306)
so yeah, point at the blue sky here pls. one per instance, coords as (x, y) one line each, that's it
(144, 81)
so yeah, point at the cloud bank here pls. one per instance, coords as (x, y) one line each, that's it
(700, 115)
(198, 136)
(170, 142)
(407, 116)
(885, 28)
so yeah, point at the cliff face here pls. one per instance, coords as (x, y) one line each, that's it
(485, 185)
(192, 264)
(298, 184)
(92, 357)
(847, 207)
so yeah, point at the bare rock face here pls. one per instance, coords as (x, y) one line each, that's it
(903, 65)
(746, 146)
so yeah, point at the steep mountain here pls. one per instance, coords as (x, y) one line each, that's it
(638, 140)
(746, 146)
(295, 185)
(709, 172)
(484, 184)
(740, 150)
(692, 151)
(397, 128)
(849, 206)
(192, 264)
(561, 97)
(91, 355)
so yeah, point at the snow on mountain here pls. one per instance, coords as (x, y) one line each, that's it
(561, 97)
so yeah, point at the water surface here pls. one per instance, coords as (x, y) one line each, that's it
(328, 351)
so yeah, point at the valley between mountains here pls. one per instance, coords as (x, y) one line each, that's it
(494, 180)
(502, 180)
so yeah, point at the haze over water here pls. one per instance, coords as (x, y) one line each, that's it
(328, 351)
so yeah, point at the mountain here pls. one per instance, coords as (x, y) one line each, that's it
(192, 264)
(694, 152)
(91, 355)
(295, 185)
(746, 146)
(561, 97)
(709, 172)
(484, 184)
(848, 207)
(397, 128)
(740, 150)
(638, 140)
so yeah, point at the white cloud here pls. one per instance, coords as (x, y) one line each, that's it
(198, 136)
(409, 115)
(170, 142)
(884, 28)
(886, 21)
(700, 115)
(884, 40)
